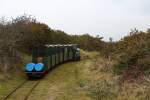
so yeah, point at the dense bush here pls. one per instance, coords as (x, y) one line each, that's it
(134, 54)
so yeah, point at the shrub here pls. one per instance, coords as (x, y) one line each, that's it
(134, 54)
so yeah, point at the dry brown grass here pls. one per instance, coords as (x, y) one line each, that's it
(87, 55)
(105, 85)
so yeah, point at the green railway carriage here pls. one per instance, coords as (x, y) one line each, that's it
(46, 57)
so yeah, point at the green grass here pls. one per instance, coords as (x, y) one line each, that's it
(92, 78)
(63, 83)
(13, 79)
(8, 84)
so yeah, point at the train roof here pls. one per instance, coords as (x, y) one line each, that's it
(60, 45)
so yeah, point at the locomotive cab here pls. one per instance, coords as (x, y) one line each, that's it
(37, 67)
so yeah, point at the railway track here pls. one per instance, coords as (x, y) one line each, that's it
(22, 91)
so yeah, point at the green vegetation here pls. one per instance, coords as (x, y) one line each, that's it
(134, 55)
(108, 70)
(105, 85)
(19, 35)
(8, 84)
(92, 78)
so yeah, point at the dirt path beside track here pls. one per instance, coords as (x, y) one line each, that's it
(62, 83)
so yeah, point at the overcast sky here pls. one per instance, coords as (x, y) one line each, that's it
(107, 18)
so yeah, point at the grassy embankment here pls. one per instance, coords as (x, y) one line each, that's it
(13, 78)
(92, 78)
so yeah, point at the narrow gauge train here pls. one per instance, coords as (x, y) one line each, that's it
(45, 58)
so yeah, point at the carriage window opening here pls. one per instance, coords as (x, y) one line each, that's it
(39, 59)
